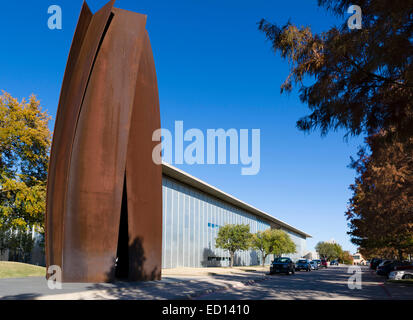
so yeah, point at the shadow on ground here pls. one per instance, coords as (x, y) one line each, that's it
(315, 285)
(175, 287)
(256, 285)
(24, 296)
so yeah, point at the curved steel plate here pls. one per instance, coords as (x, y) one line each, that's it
(108, 110)
(144, 177)
(82, 55)
(54, 222)
(97, 164)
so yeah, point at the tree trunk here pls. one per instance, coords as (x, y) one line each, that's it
(232, 259)
(263, 258)
(400, 254)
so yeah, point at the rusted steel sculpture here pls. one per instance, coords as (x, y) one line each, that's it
(104, 193)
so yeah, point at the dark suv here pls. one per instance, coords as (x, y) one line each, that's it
(374, 263)
(303, 264)
(282, 265)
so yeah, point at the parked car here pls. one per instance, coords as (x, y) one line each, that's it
(407, 266)
(303, 264)
(375, 262)
(324, 263)
(318, 261)
(401, 275)
(383, 262)
(282, 265)
(314, 265)
(402, 266)
(386, 268)
(334, 263)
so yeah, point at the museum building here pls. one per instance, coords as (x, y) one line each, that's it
(193, 212)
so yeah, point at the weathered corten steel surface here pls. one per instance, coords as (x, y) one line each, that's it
(108, 110)
(143, 177)
(82, 54)
(63, 129)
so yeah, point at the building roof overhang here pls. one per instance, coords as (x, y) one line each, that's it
(192, 181)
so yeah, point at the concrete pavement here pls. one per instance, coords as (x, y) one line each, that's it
(323, 284)
(218, 283)
(182, 283)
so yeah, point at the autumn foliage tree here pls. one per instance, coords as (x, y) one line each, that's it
(380, 212)
(24, 144)
(372, 252)
(361, 81)
(346, 258)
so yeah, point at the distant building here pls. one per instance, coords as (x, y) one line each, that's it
(312, 255)
(359, 259)
(193, 212)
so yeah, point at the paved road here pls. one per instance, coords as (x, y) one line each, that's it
(330, 283)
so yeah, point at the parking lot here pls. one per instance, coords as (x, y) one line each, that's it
(322, 284)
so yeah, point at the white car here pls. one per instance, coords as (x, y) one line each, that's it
(401, 274)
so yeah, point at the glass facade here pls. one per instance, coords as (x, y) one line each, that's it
(300, 244)
(191, 220)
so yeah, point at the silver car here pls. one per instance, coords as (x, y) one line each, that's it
(314, 265)
(401, 275)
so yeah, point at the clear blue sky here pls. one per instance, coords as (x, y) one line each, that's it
(215, 70)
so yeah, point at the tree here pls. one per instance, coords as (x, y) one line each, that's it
(346, 258)
(328, 250)
(380, 213)
(233, 237)
(20, 245)
(386, 253)
(4, 240)
(362, 79)
(261, 241)
(282, 243)
(24, 144)
(265, 242)
(272, 241)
